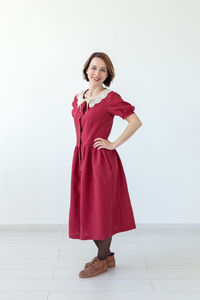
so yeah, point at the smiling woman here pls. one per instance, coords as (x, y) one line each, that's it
(100, 205)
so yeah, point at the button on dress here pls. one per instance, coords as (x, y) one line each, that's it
(100, 204)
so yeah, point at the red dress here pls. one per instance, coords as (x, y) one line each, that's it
(99, 202)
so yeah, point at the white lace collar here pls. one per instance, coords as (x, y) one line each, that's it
(93, 100)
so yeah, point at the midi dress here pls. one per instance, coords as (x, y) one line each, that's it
(100, 204)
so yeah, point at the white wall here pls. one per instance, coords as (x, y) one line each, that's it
(154, 46)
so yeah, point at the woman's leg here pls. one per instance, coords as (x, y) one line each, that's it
(96, 242)
(103, 247)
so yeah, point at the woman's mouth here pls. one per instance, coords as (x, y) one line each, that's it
(96, 79)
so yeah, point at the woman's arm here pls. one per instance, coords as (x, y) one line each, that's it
(134, 124)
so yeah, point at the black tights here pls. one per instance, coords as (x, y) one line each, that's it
(103, 247)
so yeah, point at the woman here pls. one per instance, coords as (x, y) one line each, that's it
(99, 203)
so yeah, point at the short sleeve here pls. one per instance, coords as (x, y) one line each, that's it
(117, 106)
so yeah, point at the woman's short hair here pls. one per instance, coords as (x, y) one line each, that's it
(109, 65)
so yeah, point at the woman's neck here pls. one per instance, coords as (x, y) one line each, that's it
(92, 92)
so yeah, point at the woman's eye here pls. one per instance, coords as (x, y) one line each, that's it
(95, 68)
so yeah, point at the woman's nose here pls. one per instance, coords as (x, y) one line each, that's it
(97, 73)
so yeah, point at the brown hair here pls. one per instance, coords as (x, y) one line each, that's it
(106, 59)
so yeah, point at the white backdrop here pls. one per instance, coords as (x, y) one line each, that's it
(154, 46)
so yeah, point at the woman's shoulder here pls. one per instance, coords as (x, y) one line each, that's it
(78, 94)
(114, 95)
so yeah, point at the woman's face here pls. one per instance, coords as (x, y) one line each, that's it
(97, 71)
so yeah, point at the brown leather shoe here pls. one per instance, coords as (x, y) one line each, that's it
(110, 260)
(96, 267)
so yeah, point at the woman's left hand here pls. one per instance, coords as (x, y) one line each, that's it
(102, 143)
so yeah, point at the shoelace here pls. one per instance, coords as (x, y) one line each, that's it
(93, 265)
(89, 263)
(95, 258)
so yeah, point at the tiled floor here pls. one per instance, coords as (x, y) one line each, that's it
(154, 262)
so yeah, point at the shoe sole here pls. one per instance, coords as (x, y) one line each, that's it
(92, 275)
